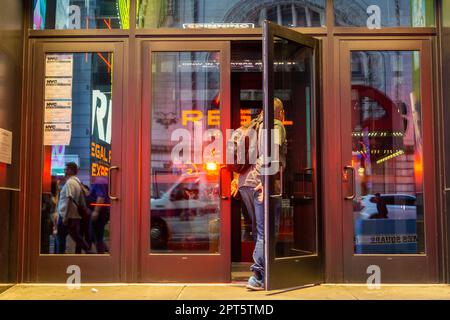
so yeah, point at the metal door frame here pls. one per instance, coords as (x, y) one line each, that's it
(50, 267)
(281, 270)
(394, 268)
(182, 267)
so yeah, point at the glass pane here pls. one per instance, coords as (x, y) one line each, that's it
(77, 133)
(193, 14)
(446, 13)
(445, 53)
(387, 146)
(185, 166)
(81, 14)
(384, 13)
(296, 212)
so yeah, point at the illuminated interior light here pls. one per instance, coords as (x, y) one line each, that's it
(212, 166)
(378, 151)
(361, 171)
(377, 134)
(392, 156)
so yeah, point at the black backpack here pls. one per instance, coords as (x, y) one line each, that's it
(239, 140)
(82, 206)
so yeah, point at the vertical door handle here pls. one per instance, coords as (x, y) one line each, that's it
(280, 195)
(352, 170)
(222, 197)
(111, 169)
(305, 172)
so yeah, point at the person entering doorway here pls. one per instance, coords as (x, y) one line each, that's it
(249, 185)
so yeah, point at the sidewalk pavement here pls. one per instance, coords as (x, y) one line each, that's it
(222, 292)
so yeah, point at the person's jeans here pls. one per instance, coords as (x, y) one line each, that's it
(98, 229)
(247, 198)
(73, 228)
(62, 232)
(256, 210)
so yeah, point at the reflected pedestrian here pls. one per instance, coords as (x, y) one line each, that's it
(99, 203)
(382, 211)
(70, 204)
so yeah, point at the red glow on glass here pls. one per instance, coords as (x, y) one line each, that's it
(47, 170)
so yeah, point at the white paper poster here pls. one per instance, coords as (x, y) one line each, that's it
(58, 111)
(57, 134)
(5, 146)
(58, 89)
(58, 99)
(59, 65)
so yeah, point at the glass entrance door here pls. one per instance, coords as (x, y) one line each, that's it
(185, 218)
(75, 180)
(289, 168)
(387, 157)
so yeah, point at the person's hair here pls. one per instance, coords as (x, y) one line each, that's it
(278, 108)
(378, 194)
(72, 166)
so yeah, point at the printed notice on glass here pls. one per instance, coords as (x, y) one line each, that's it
(57, 134)
(58, 112)
(5, 146)
(59, 65)
(58, 89)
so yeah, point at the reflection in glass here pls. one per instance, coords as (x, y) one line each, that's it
(85, 108)
(235, 13)
(185, 203)
(387, 152)
(446, 14)
(81, 14)
(393, 13)
(296, 212)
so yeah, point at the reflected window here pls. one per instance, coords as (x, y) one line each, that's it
(77, 134)
(80, 14)
(397, 13)
(446, 13)
(387, 152)
(185, 203)
(193, 14)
